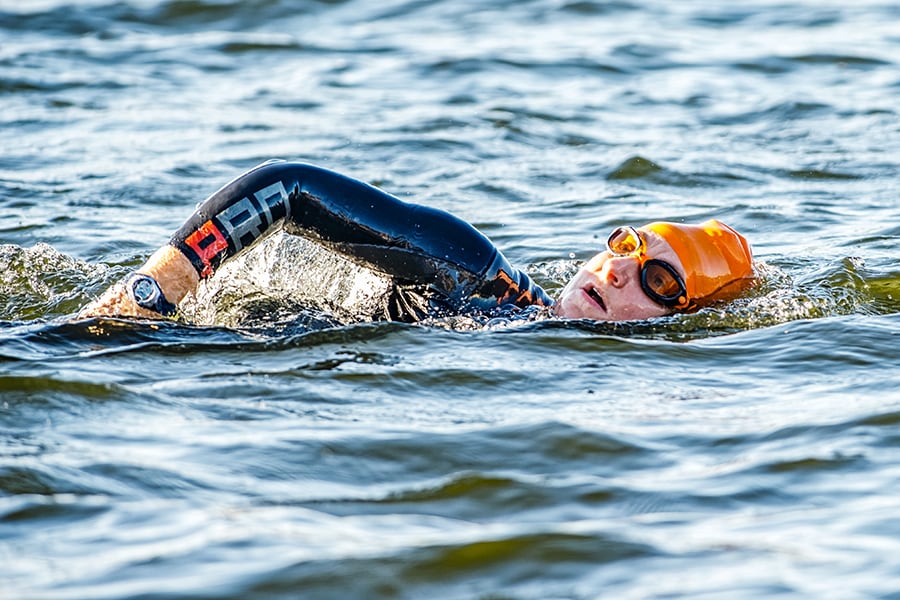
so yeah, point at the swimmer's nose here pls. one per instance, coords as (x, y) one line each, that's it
(617, 270)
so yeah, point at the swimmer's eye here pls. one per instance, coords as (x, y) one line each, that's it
(662, 283)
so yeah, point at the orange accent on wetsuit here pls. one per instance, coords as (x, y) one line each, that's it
(207, 242)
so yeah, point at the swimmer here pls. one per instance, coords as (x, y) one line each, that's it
(440, 265)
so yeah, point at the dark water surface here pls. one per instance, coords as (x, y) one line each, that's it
(744, 451)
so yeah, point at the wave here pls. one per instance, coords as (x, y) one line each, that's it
(107, 15)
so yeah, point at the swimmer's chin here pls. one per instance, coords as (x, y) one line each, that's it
(583, 303)
(586, 308)
(595, 319)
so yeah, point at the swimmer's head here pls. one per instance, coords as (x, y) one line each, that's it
(659, 269)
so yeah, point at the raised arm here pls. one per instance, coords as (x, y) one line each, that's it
(411, 243)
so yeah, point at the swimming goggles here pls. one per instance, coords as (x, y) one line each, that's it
(659, 280)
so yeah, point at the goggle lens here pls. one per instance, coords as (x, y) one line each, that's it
(659, 280)
(624, 240)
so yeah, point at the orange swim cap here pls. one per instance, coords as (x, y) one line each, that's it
(717, 260)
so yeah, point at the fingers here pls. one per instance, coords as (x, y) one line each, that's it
(116, 302)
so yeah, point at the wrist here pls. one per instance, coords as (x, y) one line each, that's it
(173, 272)
(145, 292)
(168, 271)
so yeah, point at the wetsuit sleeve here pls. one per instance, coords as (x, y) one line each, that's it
(409, 242)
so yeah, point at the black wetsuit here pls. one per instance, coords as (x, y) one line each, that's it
(440, 264)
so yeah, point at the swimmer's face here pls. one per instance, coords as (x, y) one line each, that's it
(608, 287)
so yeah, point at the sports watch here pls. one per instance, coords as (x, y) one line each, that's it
(146, 293)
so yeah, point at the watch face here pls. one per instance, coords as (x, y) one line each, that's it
(145, 292)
